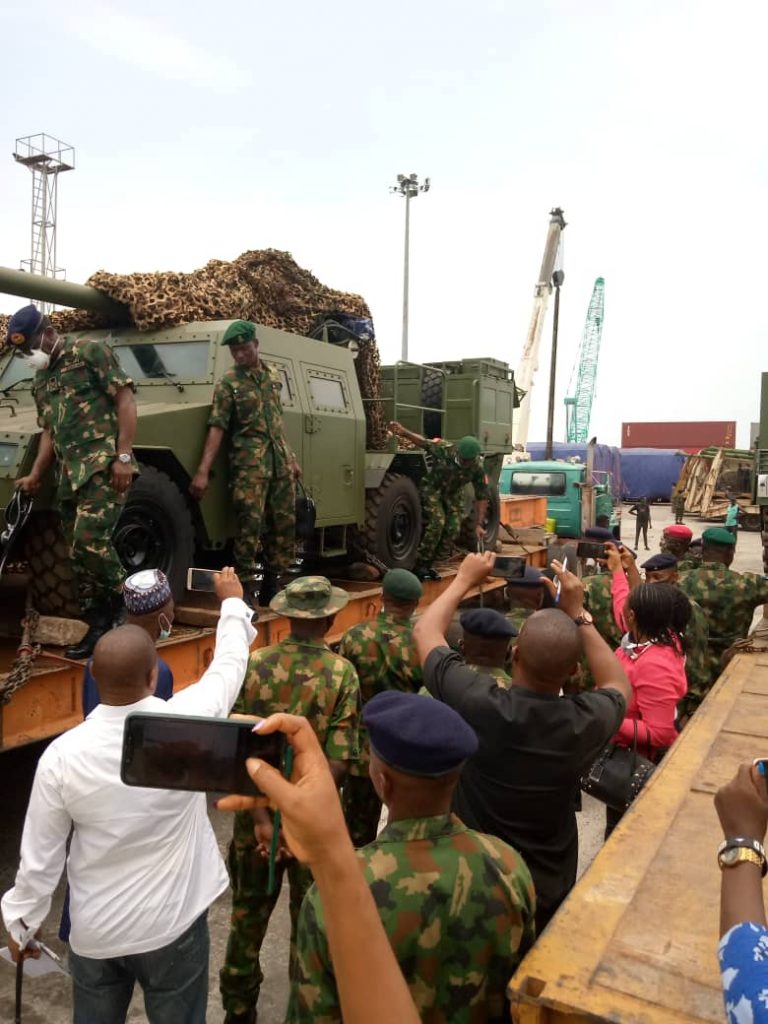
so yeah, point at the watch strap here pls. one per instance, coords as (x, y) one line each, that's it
(753, 852)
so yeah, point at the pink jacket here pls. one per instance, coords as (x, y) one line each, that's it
(657, 676)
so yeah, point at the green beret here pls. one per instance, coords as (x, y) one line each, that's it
(402, 585)
(718, 535)
(468, 447)
(238, 332)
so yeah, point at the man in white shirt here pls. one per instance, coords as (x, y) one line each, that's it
(143, 865)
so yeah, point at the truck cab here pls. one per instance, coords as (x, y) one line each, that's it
(563, 484)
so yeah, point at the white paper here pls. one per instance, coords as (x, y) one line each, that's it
(35, 968)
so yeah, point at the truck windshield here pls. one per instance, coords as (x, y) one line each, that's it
(14, 371)
(182, 360)
(537, 483)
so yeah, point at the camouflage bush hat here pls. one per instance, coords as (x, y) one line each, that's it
(238, 332)
(402, 585)
(718, 535)
(468, 447)
(309, 597)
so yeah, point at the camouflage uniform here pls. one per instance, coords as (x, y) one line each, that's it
(442, 497)
(502, 677)
(247, 403)
(728, 599)
(301, 677)
(384, 657)
(75, 400)
(678, 507)
(458, 907)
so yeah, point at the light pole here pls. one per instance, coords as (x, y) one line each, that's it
(408, 186)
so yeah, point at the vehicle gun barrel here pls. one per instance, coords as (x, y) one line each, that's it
(62, 293)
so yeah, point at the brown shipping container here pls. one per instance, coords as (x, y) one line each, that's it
(687, 436)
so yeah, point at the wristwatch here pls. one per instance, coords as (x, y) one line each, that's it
(735, 851)
(124, 457)
(585, 619)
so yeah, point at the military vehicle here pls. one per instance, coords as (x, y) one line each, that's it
(367, 501)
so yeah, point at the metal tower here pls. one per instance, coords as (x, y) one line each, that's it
(46, 158)
(408, 186)
(578, 408)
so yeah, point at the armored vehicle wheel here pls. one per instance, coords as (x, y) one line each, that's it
(155, 530)
(467, 536)
(393, 522)
(51, 578)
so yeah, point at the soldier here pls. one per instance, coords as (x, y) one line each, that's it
(676, 540)
(87, 412)
(526, 594)
(457, 906)
(262, 468)
(452, 467)
(642, 510)
(384, 657)
(678, 506)
(302, 676)
(486, 642)
(728, 598)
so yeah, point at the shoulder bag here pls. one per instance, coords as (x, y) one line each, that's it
(618, 775)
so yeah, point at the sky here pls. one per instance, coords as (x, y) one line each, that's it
(204, 130)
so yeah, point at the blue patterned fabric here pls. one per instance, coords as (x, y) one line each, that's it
(743, 956)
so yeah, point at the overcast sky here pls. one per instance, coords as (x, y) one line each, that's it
(202, 130)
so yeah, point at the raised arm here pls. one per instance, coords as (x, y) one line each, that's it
(400, 431)
(429, 631)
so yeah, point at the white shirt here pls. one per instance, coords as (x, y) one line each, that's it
(143, 863)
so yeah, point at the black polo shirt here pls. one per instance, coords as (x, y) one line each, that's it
(521, 784)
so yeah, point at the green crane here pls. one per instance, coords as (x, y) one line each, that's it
(578, 408)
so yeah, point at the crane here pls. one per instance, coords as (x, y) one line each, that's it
(529, 361)
(578, 407)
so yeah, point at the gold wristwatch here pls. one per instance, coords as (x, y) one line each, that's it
(736, 851)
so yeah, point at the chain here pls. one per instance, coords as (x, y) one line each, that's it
(21, 670)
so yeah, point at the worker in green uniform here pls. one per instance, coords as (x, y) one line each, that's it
(247, 407)
(87, 412)
(458, 906)
(728, 598)
(451, 468)
(384, 658)
(487, 636)
(678, 505)
(302, 676)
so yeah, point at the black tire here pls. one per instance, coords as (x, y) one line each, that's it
(432, 398)
(393, 522)
(467, 535)
(155, 529)
(52, 583)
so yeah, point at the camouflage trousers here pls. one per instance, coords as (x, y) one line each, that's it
(362, 809)
(88, 519)
(241, 976)
(264, 508)
(443, 516)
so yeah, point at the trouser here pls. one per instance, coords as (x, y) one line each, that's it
(174, 980)
(443, 522)
(362, 809)
(88, 519)
(733, 529)
(241, 976)
(264, 508)
(641, 528)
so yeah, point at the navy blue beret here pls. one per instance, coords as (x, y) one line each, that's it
(532, 578)
(417, 735)
(660, 562)
(600, 533)
(23, 325)
(486, 622)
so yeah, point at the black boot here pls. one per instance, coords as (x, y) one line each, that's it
(249, 1017)
(269, 587)
(426, 572)
(99, 622)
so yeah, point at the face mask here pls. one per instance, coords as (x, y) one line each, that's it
(165, 630)
(38, 360)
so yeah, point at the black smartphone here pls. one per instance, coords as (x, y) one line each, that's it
(509, 567)
(204, 755)
(201, 579)
(590, 549)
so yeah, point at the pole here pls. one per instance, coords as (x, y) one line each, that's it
(404, 352)
(552, 374)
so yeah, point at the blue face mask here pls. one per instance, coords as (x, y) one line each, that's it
(165, 630)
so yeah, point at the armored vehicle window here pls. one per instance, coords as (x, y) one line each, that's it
(16, 370)
(327, 393)
(184, 360)
(537, 483)
(288, 392)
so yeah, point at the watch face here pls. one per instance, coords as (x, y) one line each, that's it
(729, 857)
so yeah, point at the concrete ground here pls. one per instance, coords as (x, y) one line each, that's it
(47, 1000)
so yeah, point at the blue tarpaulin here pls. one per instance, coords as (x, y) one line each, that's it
(650, 472)
(607, 460)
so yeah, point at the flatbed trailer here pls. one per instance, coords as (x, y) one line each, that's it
(636, 940)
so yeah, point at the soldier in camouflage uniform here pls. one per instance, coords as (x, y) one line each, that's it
(486, 643)
(525, 595)
(262, 468)
(302, 676)
(384, 657)
(87, 412)
(728, 598)
(678, 506)
(451, 468)
(458, 906)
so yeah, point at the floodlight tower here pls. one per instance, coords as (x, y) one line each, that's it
(408, 186)
(46, 158)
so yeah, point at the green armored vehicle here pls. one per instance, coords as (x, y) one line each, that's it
(367, 502)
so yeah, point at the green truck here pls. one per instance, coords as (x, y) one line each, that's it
(574, 502)
(367, 501)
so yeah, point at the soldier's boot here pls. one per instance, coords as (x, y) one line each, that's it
(426, 572)
(270, 585)
(249, 1017)
(252, 584)
(99, 622)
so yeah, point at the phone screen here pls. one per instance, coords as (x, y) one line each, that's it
(201, 579)
(197, 754)
(590, 549)
(509, 567)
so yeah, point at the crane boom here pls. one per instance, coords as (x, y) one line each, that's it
(578, 406)
(529, 361)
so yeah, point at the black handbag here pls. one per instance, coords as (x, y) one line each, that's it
(306, 513)
(618, 775)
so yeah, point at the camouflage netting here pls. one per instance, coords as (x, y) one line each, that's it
(266, 286)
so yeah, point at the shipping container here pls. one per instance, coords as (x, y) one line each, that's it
(688, 435)
(650, 472)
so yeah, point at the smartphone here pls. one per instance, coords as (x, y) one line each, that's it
(204, 755)
(509, 567)
(762, 767)
(201, 579)
(590, 549)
